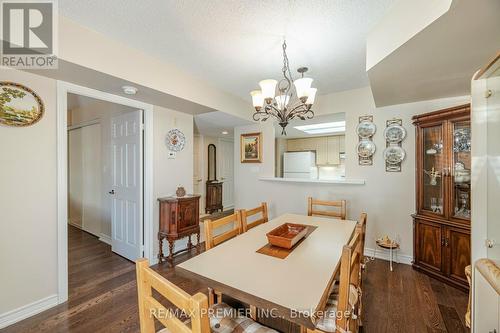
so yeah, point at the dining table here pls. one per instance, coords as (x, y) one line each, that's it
(294, 287)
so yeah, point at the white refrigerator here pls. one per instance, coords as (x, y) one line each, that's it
(300, 164)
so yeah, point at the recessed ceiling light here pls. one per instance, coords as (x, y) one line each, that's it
(129, 90)
(225, 132)
(322, 128)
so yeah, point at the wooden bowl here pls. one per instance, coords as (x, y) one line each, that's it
(286, 235)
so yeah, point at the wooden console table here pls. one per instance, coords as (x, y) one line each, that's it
(179, 218)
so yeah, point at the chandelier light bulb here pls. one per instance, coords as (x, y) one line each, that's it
(311, 96)
(257, 99)
(302, 86)
(282, 101)
(268, 88)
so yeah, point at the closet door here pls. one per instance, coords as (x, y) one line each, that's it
(84, 171)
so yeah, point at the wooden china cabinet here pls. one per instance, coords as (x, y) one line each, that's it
(441, 225)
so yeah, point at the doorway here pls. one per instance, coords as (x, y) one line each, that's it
(104, 173)
(105, 163)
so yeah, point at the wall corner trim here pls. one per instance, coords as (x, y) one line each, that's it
(105, 238)
(28, 310)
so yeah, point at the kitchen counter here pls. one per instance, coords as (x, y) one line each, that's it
(346, 181)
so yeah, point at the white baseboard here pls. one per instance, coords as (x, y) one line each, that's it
(385, 255)
(28, 310)
(105, 238)
(75, 225)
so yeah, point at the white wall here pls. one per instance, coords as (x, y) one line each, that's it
(86, 110)
(168, 174)
(388, 198)
(28, 206)
(28, 197)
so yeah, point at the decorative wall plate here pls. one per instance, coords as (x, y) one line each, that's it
(394, 133)
(366, 148)
(366, 129)
(19, 105)
(175, 140)
(394, 154)
(461, 140)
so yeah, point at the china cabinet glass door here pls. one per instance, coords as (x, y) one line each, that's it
(433, 162)
(493, 149)
(461, 174)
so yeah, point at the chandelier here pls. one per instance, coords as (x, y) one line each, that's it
(282, 99)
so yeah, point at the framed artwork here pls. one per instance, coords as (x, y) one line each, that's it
(19, 105)
(251, 148)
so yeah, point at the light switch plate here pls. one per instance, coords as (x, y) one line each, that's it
(171, 155)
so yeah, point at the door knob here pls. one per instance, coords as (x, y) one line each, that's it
(112, 192)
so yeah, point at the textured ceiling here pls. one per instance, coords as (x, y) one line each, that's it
(214, 123)
(234, 44)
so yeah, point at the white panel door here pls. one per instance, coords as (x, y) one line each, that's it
(225, 156)
(126, 180)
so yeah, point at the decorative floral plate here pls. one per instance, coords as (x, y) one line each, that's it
(394, 133)
(394, 154)
(462, 142)
(366, 129)
(175, 140)
(366, 148)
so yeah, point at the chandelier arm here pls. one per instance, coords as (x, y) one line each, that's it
(301, 109)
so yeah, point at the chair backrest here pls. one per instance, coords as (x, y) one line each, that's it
(349, 284)
(210, 226)
(195, 307)
(245, 214)
(362, 230)
(341, 213)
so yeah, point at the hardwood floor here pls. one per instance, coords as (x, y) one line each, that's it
(102, 296)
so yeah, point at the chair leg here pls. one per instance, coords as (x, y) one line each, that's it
(253, 312)
(211, 297)
(219, 297)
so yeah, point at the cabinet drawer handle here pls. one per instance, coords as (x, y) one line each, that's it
(446, 242)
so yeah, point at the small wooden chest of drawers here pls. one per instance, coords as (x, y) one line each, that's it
(179, 218)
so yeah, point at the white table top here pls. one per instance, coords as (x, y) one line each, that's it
(296, 282)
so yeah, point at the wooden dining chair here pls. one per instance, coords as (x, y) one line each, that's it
(342, 311)
(196, 306)
(361, 228)
(232, 228)
(340, 213)
(231, 222)
(245, 214)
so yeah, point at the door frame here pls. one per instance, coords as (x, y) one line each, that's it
(63, 88)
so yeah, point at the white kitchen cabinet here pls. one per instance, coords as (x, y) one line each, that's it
(294, 145)
(342, 143)
(333, 144)
(327, 148)
(321, 150)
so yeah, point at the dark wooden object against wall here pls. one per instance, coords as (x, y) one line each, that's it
(179, 218)
(441, 235)
(213, 197)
